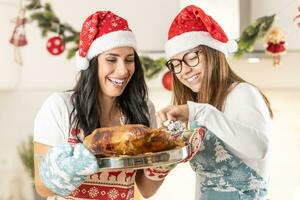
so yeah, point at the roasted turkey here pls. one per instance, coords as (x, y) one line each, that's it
(131, 139)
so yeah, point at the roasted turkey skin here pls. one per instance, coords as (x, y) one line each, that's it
(131, 139)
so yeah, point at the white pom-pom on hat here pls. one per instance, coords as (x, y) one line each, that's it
(232, 46)
(82, 62)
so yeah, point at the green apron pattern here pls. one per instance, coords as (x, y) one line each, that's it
(224, 176)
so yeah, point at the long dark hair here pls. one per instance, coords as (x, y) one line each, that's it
(133, 100)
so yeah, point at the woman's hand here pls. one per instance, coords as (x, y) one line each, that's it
(173, 113)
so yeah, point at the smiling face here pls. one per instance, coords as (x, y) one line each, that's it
(191, 76)
(115, 69)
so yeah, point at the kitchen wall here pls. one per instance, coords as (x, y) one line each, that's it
(24, 88)
(18, 109)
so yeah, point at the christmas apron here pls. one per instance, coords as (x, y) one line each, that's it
(223, 175)
(105, 184)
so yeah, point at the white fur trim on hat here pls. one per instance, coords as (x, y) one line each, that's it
(190, 40)
(111, 40)
(104, 43)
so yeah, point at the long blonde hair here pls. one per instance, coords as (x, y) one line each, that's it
(216, 84)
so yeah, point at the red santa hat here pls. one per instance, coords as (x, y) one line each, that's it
(102, 31)
(193, 27)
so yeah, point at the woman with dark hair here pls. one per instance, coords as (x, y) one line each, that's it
(110, 91)
(233, 160)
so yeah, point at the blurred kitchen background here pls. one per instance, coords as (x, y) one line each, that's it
(24, 87)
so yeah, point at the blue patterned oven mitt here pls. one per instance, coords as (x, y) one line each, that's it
(66, 167)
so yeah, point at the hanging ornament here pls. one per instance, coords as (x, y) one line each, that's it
(18, 37)
(167, 80)
(55, 45)
(298, 16)
(275, 45)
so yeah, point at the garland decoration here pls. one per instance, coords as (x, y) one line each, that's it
(152, 66)
(67, 38)
(48, 22)
(254, 32)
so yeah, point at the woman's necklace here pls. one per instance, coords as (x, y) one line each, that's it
(122, 118)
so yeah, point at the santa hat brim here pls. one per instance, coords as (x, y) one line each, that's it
(189, 40)
(104, 43)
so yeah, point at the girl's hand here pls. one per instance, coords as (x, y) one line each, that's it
(173, 113)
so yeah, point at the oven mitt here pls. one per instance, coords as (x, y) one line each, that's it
(194, 140)
(158, 173)
(65, 168)
(177, 129)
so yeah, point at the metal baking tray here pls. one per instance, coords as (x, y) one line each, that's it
(145, 160)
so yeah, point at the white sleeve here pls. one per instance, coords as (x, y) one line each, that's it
(51, 123)
(152, 117)
(245, 124)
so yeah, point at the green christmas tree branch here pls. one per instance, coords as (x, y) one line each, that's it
(254, 32)
(152, 67)
(48, 22)
(25, 151)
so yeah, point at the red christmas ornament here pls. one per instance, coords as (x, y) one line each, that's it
(55, 45)
(167, 80)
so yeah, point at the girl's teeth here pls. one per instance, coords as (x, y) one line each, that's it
(192, 78)
(116, 81)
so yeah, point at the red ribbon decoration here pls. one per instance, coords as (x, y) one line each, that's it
(298, 16)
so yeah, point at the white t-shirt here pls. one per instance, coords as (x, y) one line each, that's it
(52, 127)
(52, 123)
(244, 126)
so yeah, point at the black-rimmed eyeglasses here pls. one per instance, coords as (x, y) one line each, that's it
(191, 59)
